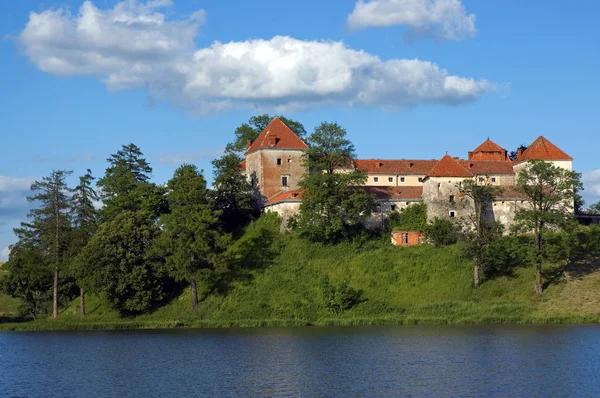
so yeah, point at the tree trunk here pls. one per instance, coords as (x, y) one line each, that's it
(194, 294)
(81, 302)
(55, 295)
(539, 287)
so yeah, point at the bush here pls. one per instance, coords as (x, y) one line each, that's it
(412, 218)
(441, 232)
(339, 297)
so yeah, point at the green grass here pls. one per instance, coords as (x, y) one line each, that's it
(412, 285)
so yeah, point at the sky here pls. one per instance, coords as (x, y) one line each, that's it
(405, 78)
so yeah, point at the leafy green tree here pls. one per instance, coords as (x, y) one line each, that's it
(550, 191)
(411, 218)
(594, 208)
(125, 185)
(339, 297)
(334, 205)
(329, 149)
(441, 232)
(50, 224)
(85, 223)
(122, 264)
(233, 195)
(29, 278)
(251, 130)
(191, 237)
(481, 229)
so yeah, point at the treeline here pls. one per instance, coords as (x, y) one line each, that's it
(137, 244)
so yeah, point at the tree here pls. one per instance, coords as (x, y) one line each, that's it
(85, 223)
(251, 130)
(50, 224)
(122, 264)
(233, 195)
(126, 186)
(29, 278)
(550, 191)
(481, 229)
(334, 205)
(329, 149)
(411, 218)
(594, 208)
(191, 237)
(441, 232)
(513, 155)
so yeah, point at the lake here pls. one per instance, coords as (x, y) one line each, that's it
(412, 361)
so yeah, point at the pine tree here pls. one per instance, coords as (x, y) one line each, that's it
(50, 224)
(191, 235)
(85, 223)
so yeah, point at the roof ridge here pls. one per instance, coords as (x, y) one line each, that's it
(284, 137)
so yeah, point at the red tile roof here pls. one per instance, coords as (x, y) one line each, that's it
(399, 166)
(449, 167)
(488, 167)
(542, 149)
(489, 146)
(510, 192)
(243, 165)
(277, 135)
(396, 193)
(285, 196)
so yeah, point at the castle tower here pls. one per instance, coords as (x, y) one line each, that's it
(488, 150)
(274, 160)
(544, 150)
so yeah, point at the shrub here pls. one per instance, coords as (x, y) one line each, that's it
(339, 297)
(441, 232)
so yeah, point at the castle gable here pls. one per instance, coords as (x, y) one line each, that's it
(449, 167)
(277, 136)
(542, 149)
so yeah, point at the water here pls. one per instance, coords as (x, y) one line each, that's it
(435, 361)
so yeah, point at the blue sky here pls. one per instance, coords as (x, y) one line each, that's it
(406, 78)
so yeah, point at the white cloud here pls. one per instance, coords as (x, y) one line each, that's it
(189, 157)
(4, 253)
(11, 184)
(133, 46)
(591, 183)
(442, 19)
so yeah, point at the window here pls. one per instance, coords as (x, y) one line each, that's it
(375, 179)
(402, 179)
(393, 207)
(420, 179)
(278, 161)
(481, 179)
(405, 239)
(289, 160)
(284, 181)
(390, 179)
(452, 214)
(493, 179)
(451, 198)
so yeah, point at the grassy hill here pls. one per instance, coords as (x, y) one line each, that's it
(398, 286)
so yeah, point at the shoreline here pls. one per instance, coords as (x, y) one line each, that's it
(50, 325)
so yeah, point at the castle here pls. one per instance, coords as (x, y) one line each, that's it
(274, 166)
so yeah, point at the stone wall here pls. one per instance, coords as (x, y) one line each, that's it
(268, 172)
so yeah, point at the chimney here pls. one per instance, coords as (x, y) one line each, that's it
(456, 158)
(519, 152)
(470, 155)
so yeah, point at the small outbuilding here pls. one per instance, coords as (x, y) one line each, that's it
(407, 238)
